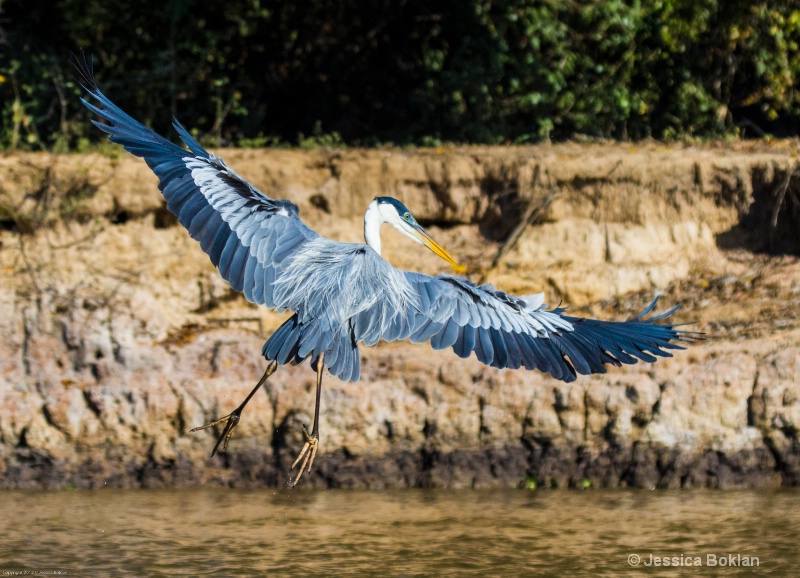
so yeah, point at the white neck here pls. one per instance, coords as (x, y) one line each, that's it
(376, 215)
(373, 219)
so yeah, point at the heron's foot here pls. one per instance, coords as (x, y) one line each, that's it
(307, 454)
(231, 421)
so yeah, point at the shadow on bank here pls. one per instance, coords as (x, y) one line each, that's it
(769, 221)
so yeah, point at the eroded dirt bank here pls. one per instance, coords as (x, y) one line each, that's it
(117, 336)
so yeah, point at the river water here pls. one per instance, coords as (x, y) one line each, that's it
(225, 532)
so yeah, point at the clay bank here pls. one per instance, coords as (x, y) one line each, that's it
(117, 336)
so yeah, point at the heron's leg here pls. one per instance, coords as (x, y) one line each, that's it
(232, 419)
(309, 451)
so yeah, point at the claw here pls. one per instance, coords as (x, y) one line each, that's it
(231, 421)
(307, 454)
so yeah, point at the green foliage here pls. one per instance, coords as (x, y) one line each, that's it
(262, 72)
(319, 139)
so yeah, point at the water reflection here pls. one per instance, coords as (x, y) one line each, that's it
(412, 532)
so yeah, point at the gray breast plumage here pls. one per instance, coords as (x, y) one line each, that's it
(338, 281)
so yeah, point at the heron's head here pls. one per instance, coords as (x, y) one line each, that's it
(395, 213)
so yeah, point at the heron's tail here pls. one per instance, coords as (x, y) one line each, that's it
(294, 341)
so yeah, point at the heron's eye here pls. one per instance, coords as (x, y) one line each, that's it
(407, 216)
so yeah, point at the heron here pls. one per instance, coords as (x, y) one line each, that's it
(341, 295)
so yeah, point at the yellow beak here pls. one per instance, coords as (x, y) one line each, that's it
(428, 241)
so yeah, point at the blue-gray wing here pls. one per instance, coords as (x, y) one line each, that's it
(508, 331)
(247, 235)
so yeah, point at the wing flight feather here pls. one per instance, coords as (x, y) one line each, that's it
(247, 235)
(507, 331)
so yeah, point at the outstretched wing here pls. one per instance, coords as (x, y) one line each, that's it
(247, 235)
(508, 331)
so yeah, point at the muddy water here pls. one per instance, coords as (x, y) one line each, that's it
(398, 533)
